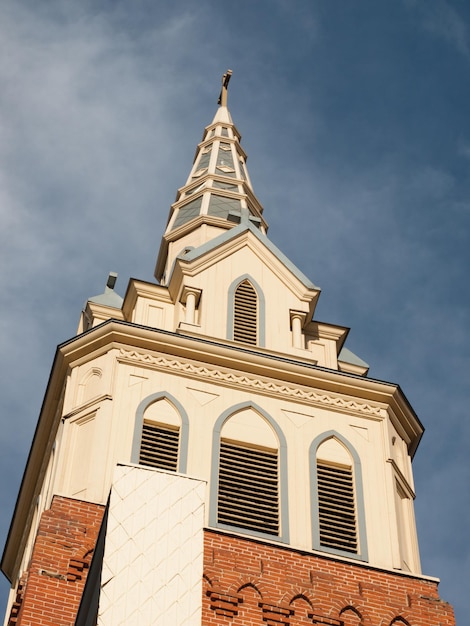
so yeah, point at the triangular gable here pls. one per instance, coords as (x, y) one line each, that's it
(231, 235)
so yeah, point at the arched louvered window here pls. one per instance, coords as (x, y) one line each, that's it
(249, 473)
(338, 521)
(245, 314)
(336, 507)
(161, 433)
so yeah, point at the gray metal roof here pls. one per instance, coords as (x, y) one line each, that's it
(235, 232)
(349, 357)
(109, 297)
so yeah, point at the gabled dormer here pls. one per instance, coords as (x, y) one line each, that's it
(247, 292)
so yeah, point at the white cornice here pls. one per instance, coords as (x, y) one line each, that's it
(139, 288)
(102, 311)
(328, 331)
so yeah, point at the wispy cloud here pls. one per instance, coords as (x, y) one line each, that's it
(442, 20)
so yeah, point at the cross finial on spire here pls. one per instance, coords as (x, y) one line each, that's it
(223, 92)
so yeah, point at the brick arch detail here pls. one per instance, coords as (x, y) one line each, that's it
(354, 603)
(80, 561)
(280, 574)
(252, 584)
(297, 594)
(358, 610)
(89, 553)
(400, 617)
(341, 603)
(212, 580)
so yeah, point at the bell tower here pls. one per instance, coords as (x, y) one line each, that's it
(209, 453)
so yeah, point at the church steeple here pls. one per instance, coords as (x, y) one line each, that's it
(209, 425)
(217, 193)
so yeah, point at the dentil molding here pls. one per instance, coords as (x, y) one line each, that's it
(269, 387)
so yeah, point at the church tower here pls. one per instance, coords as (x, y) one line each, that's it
(209, 453)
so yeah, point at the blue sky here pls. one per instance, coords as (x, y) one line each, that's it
(355, 119)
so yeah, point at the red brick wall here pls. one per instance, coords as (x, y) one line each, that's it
(61, 556)
(248, 583)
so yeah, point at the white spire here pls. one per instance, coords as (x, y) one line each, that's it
(218, 190)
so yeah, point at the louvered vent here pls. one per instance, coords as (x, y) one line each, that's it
(245, 316)
(248, 488)
(159, 446)
(336, 507)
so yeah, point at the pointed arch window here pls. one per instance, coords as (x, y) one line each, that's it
(245, 314)
(161, 434)
(338, 522)
(249, 483)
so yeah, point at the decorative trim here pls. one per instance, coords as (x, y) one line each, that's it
(187, 290)
(184, 431)
(401, 478)
(87, 405)
(272, 388)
